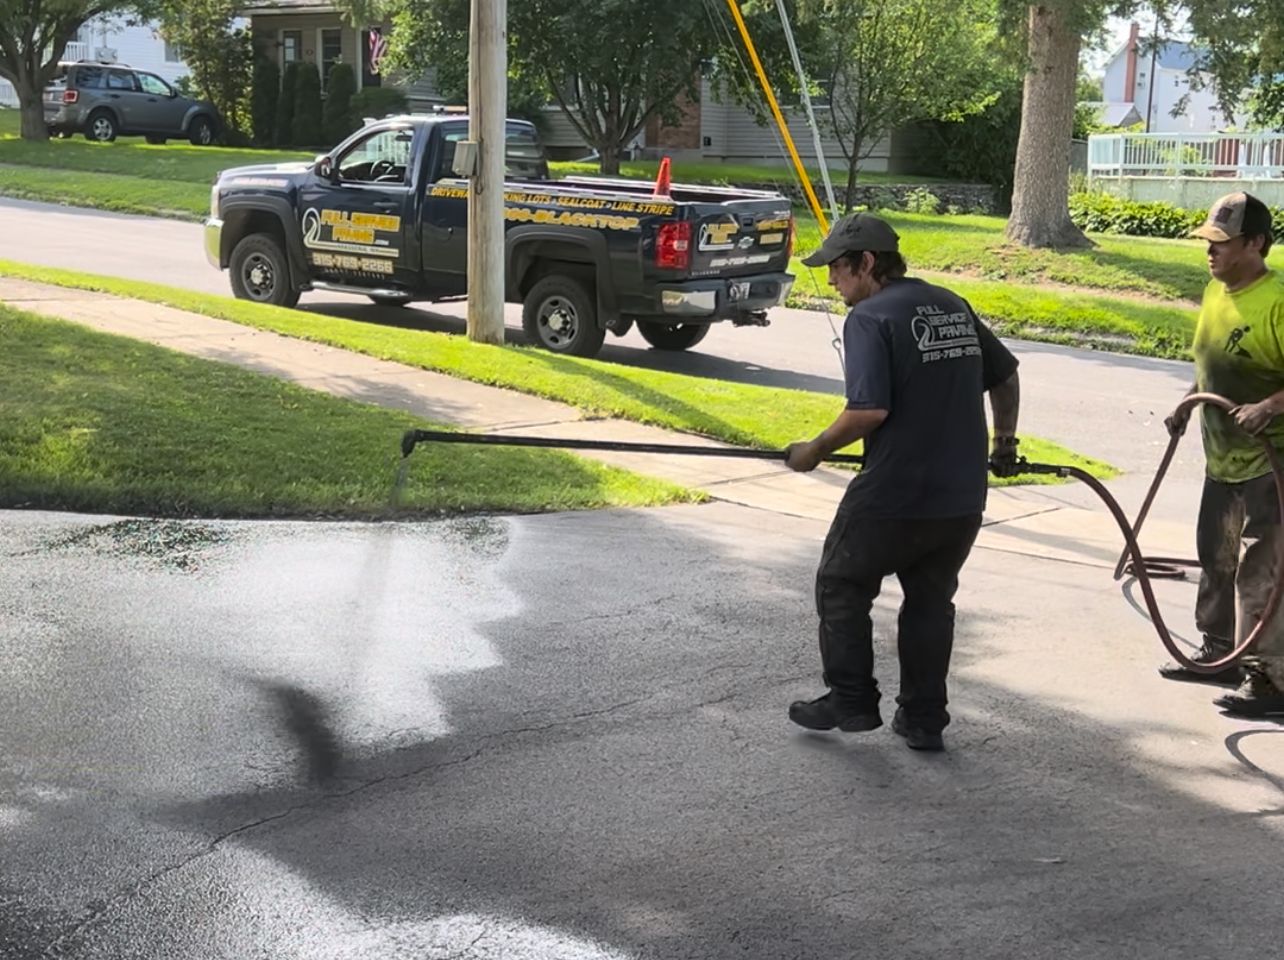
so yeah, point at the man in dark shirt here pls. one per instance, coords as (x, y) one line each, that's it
(918, 362)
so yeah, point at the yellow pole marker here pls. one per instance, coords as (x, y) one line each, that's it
(780, 119)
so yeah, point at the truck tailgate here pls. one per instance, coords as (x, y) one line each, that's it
(741, 237)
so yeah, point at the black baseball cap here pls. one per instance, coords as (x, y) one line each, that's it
(856, 231)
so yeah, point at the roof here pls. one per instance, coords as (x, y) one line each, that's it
(1171, 55)
(258, 8)
(1116, 113)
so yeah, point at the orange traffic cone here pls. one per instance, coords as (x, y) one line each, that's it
(662, 180)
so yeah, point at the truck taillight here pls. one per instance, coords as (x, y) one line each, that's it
(70, 96)
(673, 245)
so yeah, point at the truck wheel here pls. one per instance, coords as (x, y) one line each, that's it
(560, 314)
(101, 127)
(261, 272)
(672, 336)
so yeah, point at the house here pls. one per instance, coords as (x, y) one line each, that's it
(105, 38)
(710, 129)
(1155, 79)
(313, 31)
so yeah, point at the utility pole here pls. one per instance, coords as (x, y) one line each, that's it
(487, 109)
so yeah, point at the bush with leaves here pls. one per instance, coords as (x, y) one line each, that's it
(283, 135)
(338, 103)
(377, 102)
(1106, 213)
(307, 130)
(266, 88)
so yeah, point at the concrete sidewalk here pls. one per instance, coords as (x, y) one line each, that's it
(1030, 521)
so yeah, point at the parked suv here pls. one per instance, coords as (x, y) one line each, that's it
(107, 100)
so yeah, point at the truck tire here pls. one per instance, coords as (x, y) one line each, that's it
(101, 126)
(261, 272)
(560, 314)
(672, 336)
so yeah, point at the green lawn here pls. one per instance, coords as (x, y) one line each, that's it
(107, 191)
(974, 245)
(761, 417)
(105, 424)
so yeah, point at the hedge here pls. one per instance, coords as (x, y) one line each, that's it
(1106, 213)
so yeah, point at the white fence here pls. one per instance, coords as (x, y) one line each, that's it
(1241, 156)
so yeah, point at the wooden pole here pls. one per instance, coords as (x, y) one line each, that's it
(487, 109)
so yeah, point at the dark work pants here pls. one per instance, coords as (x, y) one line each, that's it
(1237, 538)
(926, 557)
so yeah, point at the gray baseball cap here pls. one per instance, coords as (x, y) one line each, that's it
(1233, 216)
(856, 231)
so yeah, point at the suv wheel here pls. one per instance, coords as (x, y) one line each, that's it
(101, 127)
(560, 314)
(261, 272)
(672, 336)
(201, 132)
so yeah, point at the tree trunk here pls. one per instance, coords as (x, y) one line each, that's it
(610, 159)
(849, 197)
(1041, 185)
(33, 115)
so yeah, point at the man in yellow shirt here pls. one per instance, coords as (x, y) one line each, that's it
(1239, 354)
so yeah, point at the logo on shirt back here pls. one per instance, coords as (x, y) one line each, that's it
(945, 336)
(1232, 342)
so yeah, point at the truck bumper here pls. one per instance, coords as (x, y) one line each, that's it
(723, 298)
(214, 242)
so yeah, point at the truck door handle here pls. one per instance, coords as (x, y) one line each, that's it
(386, 205)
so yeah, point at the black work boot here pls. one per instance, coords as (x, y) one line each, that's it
(916, 738)
(1209, 652)
(1256, 697)
(828, 712)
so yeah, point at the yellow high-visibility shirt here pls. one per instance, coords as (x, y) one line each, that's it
(1239, 353)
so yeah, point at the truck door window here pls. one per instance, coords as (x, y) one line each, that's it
(383, 157)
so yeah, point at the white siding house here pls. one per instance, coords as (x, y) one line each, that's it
(1155, 81)
(111, 39)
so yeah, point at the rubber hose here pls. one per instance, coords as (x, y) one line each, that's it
(1143, 568)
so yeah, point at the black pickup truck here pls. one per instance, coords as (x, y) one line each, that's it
(384, 215)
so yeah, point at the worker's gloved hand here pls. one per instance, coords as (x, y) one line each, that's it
(1004, 461)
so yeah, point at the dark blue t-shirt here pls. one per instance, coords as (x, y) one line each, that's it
(920, 353)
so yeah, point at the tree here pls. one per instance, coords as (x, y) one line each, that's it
(220, 57)
(1242, 54)
(306, 130)
(895, 62)
(881, 65)
(284, 127)
(608, 90)
(34, 35)
(266, 89)
(338, 102)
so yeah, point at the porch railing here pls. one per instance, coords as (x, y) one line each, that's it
(1244, 156)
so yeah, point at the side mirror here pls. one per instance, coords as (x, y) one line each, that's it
(324, 167)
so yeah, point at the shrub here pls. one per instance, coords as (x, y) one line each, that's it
(266, 87)
(922, 200)
(338, 103)
(1105, 213)
(377, 102)
(307, 129)
(283, 136)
